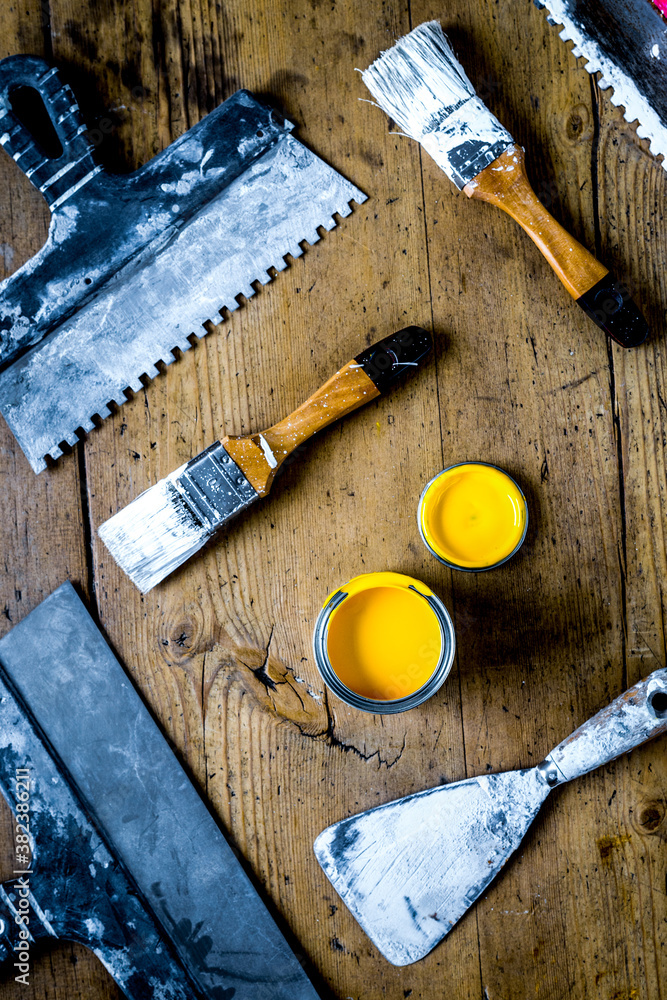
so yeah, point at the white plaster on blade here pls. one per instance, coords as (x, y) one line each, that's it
(626, 92)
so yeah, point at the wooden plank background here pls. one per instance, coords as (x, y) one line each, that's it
(520, 377)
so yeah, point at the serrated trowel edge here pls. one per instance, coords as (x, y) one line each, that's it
(625, 93)
(55, 390)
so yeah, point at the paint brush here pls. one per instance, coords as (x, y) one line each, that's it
(172, 520)
(422, 86)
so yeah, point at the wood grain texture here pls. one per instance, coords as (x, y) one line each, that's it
(504, 183)
(222, 650)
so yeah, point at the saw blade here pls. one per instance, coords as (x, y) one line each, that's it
(53, 392)
(625, 41)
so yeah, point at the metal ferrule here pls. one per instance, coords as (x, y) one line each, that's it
(467, 141)
(549, 773)
(214, 487)
(384, 707)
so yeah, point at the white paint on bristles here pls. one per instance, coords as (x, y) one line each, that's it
(154, 534)
(422, 86)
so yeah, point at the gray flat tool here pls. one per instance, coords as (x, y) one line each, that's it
(134, 265)
(408, 870)
(626, 42)
(145, 878)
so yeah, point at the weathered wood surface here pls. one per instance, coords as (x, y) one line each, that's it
(221, 651)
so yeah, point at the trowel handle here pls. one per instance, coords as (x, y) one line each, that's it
(638, 715)
(54, 172)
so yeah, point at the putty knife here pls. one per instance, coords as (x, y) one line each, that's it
(408, 870)
(134, 265)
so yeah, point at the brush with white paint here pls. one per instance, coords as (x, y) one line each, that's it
(422, 86)
(172, 520)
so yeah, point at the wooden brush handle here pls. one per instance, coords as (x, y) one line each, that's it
(368, 375)
(348, 389)
(372, 372)
(504, 183)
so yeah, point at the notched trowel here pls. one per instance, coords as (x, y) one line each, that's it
(135, 264)
(408, 870)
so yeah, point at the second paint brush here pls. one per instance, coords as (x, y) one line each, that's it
(172, 520)
(422, 86)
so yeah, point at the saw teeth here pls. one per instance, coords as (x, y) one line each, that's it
(621, 96)
(312, 238)
(329, 225)
(344, 211)
(55, 453)
(280, 266)
(87, 426)
(183, 345)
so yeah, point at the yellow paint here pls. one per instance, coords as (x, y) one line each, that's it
(384, 640)
(473, 515)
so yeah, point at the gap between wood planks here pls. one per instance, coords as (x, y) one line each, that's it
(616, 418)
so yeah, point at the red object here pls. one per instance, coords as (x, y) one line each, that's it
(662, 6)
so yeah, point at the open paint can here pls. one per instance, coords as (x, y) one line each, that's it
(384, 643)
(472, 516)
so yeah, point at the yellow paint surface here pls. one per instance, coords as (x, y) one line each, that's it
(473, 515)
(384, 640)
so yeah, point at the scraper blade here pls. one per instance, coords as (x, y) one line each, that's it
(410, 869)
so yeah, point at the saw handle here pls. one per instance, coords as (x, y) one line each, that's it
(52, 176)
(504, 183)
(638, 715)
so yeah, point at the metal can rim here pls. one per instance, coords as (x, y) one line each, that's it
(457, 566)
(389, 706)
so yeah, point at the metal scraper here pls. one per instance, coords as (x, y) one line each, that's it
(145, 878)
(135, 264)
(408, 870)
(625, 41)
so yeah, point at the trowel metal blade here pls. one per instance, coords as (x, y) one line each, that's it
(625, 41)
(153, 305)
(408, 870)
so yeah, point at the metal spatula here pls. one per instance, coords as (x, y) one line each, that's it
(410, 869)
